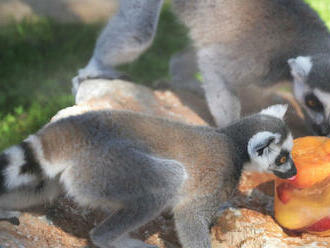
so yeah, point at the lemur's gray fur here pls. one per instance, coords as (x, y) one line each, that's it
(237, 43)
(136, 165)
(129, 33)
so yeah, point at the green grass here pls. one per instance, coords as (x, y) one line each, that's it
(323, 8)
(38, 59)
(21, 122)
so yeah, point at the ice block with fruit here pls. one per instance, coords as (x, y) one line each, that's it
(303, 203)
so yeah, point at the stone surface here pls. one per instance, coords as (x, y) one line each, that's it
(247, 223)
(86, 11)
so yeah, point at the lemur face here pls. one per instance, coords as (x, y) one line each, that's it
(310, 82)
(269, 152)
(317, 107)
(270, 143)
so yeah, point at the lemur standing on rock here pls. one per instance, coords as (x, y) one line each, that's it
(237, 43)
(135, 165)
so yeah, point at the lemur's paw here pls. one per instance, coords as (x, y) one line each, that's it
(77, 80)
(10, 216)
(14, 221)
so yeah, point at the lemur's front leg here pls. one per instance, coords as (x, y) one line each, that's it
(127, 35)
(221, 97)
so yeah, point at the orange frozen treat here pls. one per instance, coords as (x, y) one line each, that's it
(304, 203)
(311, 156)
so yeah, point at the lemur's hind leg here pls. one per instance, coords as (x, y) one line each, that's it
(142, 195)
(113, 230)
(193, 220)
(10, 216)
(128, 34)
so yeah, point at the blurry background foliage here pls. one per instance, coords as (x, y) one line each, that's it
(39, 57)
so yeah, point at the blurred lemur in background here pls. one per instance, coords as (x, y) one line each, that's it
(237, 43)
(134, 166)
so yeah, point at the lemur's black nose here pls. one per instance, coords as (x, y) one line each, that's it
(322, 129)
(289, 173)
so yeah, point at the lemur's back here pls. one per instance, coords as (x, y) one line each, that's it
(108, 142)
(258, 32)
(154, 135)
(235, 20)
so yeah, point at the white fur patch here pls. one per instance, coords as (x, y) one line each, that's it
(300, 89)
(13, 178)
(50, 169)
(288, 143)
(277, 111)
(300, 66)
(262, 163)
(259, 138)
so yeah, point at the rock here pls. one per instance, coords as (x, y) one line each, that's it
(118, 94)
(246, 221)
(246, 228)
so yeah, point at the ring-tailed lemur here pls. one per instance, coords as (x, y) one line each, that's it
(237, 43)
(136, 165)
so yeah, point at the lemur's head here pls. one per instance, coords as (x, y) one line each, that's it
(268, 142)
(312, 90)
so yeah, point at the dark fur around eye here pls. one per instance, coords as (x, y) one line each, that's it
(282, 154)
(260, 149)
(313, 103)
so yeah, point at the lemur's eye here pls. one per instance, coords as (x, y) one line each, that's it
(283, 159)
(313, 102)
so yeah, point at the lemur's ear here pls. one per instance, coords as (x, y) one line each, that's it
(259, 144)
(300, 67)
(277, 111)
